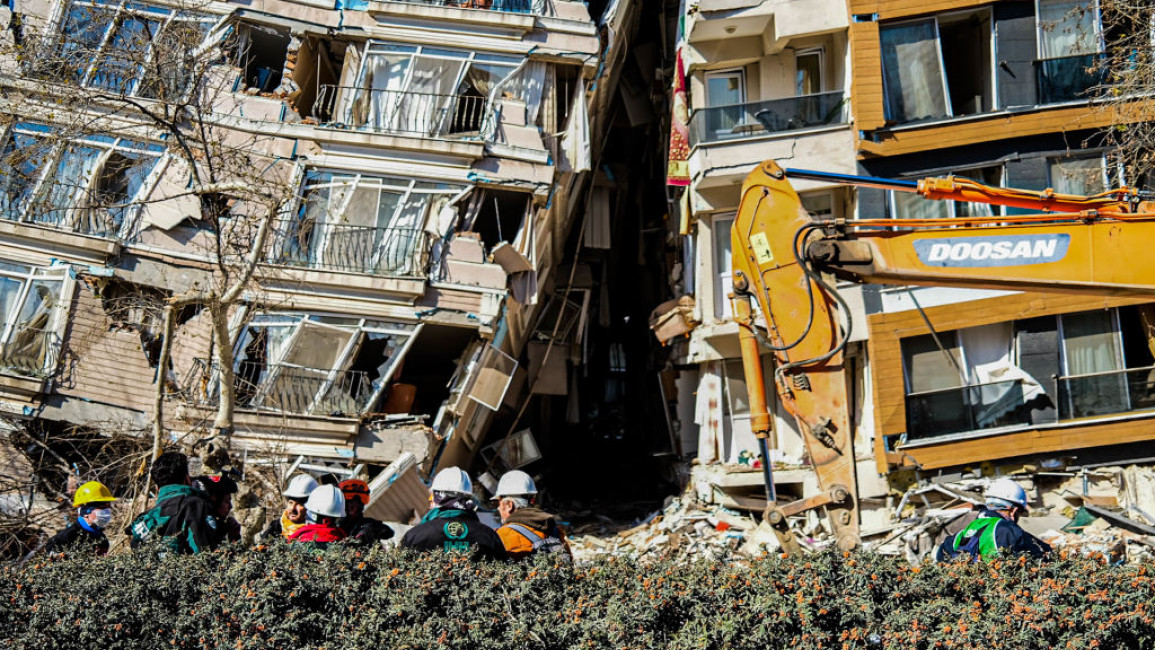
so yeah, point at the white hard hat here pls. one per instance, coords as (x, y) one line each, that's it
(515, 484)
(1005, 493)
(300, 486)
(452, 479)
(326, 500)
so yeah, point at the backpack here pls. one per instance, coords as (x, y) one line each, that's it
(143, 526)
(551, 543)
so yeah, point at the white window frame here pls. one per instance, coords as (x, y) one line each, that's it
(1100, 39)
(1120, 360)
(59, 316)
(1105, 167)
(997, 210)
(722, 277)
(820, 52)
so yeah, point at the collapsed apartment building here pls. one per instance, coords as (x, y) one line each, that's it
(429, 158)
(949, 384)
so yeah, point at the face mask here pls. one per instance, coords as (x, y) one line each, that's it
(103, 517)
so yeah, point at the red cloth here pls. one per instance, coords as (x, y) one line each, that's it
(317, 533)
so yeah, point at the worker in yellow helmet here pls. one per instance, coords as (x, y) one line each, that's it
(93, 503)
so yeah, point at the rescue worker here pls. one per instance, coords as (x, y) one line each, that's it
(451, 523)
(220, 490)
(293, 516)
(362, 530)
(323, 509)
(996, 530)
(182, 515)
(93, 503)
(526, 529)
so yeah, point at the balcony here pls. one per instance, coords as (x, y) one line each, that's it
(1106, 393)
(535, 7)
(1069, 78)
(770, 117)
(424, 115)
(393, 252)
(284, 388)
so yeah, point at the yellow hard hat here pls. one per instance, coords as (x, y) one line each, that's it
(91, 492)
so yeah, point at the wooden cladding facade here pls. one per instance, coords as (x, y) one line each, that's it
(889, 388)
(866, 82)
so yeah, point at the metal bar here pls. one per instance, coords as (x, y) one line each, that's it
(1120, 521)
(852, 179)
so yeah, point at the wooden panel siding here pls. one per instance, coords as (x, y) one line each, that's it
(866, 83)
(885, 352)
(101, 362)
(897, 9)
(1000, 126)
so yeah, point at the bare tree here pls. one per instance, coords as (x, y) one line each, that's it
(1126, 73)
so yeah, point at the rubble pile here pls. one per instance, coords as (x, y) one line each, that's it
(683, 529)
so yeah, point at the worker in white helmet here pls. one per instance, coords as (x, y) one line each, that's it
(294, 514)
(323, 511)
(526, 529)
(451, 523)
(996, 530)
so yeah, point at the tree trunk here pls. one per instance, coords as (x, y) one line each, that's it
(223, 424)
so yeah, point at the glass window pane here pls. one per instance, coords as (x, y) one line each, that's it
(67, 186)
(1091, 346)
(80, 36)
(930, 368)
(723, 267)
(1078, 175)
(808, 74)
(912, 72)
(1067, 28)
(24, 157)
(122, 57)
(908, 205)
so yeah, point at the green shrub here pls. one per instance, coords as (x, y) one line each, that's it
(285, 598)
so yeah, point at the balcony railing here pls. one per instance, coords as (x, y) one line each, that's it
(284, 388)
(509, 6)
(719, 123)
(1105, 393)
(395, 252)
(966, 408)
(1069, 78)
(405, 112)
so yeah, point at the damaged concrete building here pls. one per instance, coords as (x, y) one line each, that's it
(411, 171)
(948, 384)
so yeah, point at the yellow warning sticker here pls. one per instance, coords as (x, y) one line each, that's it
(761, 247)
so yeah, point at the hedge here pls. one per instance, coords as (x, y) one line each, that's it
(285, 598)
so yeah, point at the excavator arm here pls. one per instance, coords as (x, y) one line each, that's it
(781, 257)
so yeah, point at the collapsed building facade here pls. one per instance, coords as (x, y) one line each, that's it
(343, 218)
(947, 383)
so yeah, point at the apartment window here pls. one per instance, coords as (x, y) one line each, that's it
(1070, 46)
(1035, 371)
(424, 90)
(128, 48)
(723, 266)
(808, 72)
(820, 205)
(1082, 176)
(938, 67)
(909, 205)
(322, 365)
(361, 223)
(725, 96)
(87, 183)
(33, 301)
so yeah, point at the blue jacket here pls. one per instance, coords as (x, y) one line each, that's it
(1007, 537)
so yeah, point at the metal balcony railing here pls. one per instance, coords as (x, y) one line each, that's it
(1105, 393)
(397, 252)
(404, 112)
(284, 388)
(966, 408)
(535, 7)
(719, 123)
(1069, 78)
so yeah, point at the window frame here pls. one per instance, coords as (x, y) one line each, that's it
(1100, 37)
(721, 277)
(58, 316)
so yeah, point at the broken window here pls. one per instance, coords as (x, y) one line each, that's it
(32, 301)
(320, 365)
(938, 67)
(423, 90)
(497, 216)
(88, 184)
(127, 48)
(260, 52)
(362, 224)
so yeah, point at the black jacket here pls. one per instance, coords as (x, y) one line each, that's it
(455, 530)
(76, 538)
(364, 531)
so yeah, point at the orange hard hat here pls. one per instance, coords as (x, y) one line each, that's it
(355, 488)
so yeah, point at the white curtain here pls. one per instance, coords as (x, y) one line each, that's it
(1091, 345)
(989, 354)
(1068, 28)
(908, 205)
(384, 77)
(575, 149)
(1079, 176)
(912, 72)
(533, 85)
(708, 414)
